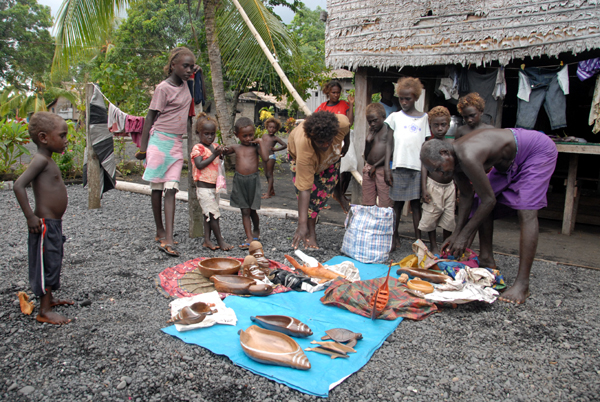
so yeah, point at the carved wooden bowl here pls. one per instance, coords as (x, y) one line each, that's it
(219, 266)
(422, 286)
(270, 347)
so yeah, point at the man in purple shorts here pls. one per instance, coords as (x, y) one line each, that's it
(522, 163)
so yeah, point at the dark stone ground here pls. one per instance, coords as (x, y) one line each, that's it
(546, 349)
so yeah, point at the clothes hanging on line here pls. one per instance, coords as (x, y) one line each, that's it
(547, 86)
(116, 119)
(594, 119)
(588, 68)
(134, 125)
(448, 86)
(486, 86)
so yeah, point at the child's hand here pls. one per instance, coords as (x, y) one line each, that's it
(372, 172)
(218, 150)
(140, 155)
(351, 99)
(425, 196)
(35, 224)
(387, 177)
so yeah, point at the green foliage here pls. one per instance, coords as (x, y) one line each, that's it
(13, 137)
(26, 46)
(70, 162)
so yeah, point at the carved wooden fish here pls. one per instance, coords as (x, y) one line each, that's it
(319, 272)
(327, 352)
(335, 346)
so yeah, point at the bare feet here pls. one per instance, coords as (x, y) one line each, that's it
(265, 196)
(52, 318)
(225, 246)
(210, 245)
(516, 294)
(396, 242)
(486, 262)
(311, 242)
(59, 302)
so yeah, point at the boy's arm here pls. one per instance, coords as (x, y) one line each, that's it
(36, 166)
(148, 123)
(280, 142)
(425, 196)
(387, 171)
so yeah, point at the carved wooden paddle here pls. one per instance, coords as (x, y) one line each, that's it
(381, 296)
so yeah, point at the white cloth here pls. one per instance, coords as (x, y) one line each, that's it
(345, 268)
(409, 135)
(116, 119)
(500, 88)
(470, 284)
(594, 118)
(525, 87)
(224, 314)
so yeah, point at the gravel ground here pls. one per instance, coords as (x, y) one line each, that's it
(546, 349)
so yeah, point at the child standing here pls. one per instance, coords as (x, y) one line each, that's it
(49, 132)
(438, 193)
(205, 169)
(162, 140)
(410, 130)
(471, 107)
(246, 182)
(267, 142)
(376, 143)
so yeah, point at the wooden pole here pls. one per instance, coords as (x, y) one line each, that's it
(93, 164)
(362, 98)
(272, 60)
(196, 217)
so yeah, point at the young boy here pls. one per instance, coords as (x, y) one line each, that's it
(246, 182)
(268, 141)
(49, 132)
(438, 193)
(374, 184)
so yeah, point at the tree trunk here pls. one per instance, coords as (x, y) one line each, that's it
(216, 72)
(196, 217)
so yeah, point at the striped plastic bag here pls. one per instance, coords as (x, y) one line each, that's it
(369, 233)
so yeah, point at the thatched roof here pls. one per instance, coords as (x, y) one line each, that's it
(256, 96)
(397, 33)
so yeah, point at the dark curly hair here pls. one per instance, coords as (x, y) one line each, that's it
(321, 126)
(330, 85)
(472, 99)
(203, 118)
(175, 54)
(413, 84)
(240, 123)
(273, 120)
(42, 121)
(439, 111)
(376, 108)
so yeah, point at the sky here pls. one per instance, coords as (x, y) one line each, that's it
(285, 13)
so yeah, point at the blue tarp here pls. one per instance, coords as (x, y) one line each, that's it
(325, 372)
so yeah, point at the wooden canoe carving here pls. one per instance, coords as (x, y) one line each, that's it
(271, 347)
(284, 324)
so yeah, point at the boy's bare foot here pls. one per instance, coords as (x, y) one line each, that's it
(487, 262)
(225, 246)
(342, 200)
(59, 302)
(52, 318)
(210, 245)
(265, 196)
(516, 294)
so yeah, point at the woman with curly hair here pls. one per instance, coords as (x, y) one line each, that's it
(333, 90)
(471, 107)
(315, 149)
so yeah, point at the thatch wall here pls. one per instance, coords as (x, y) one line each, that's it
(397, 33)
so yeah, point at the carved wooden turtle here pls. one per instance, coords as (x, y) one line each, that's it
(342, 335)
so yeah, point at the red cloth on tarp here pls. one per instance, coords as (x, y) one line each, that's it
(168, 279)
(355, 297)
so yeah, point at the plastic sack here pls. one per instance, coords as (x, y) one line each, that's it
(349, 162)
(221, 180)
(369, 234)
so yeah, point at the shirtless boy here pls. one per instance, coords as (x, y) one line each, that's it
(246, 182)
(49, 132)
(268, 142)
(437, 193)
(523, 162)
(376, 143)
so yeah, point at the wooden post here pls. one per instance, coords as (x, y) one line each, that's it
(571, 197)
(196, 217)
(93, 164)
(362, 97)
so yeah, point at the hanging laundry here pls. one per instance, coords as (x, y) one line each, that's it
(547, 86)
(500, 88)
(449, 86)
(116, 119)
(134, 125)
(588, 68)
(485, 86)
(594, 118)
(102, 143)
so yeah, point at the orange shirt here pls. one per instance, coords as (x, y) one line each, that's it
(208, 174)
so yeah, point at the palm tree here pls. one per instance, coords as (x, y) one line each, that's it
(83, 24)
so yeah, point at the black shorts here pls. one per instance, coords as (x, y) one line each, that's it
(45, 257)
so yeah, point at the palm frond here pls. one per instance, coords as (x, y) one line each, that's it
(81, 26)
(242, 56)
